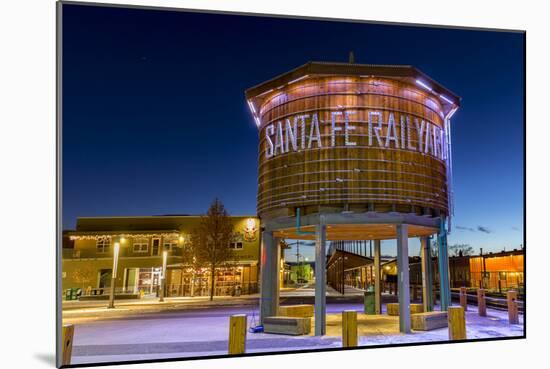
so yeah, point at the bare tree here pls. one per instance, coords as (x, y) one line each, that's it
(83, 275)
(461, 250)
(211, 240)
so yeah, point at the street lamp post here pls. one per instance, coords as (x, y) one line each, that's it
(163, 275)
(113, 275)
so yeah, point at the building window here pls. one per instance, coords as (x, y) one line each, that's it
(236, 245)
(170, 245)
(155, 246)
(141, 245)
(103, 245)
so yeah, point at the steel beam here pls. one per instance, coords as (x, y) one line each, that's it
(351, 218)
(403, 278)
(427, 278)
(269, 276)
(320, 278)
(377, 292)
(443, 263)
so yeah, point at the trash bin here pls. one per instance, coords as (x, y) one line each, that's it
(369, 301)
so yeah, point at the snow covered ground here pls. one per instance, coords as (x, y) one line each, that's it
(204, 332)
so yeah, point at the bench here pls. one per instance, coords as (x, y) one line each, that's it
(429, 320)
(297, 311)
(287, 325)
(392, 308)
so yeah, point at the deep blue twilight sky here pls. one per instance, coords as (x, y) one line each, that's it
(155, 120)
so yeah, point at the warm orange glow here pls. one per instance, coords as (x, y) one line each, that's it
(509, 263)
(502, 271)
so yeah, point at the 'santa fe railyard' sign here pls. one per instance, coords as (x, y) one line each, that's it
(302, 132)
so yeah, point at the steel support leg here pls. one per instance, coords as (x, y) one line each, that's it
(320, 279)
(269, 274)
(403, 278)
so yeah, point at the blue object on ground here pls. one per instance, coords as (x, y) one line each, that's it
(257, 329)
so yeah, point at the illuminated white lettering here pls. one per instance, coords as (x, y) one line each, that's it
(402, 131)
(291, 134)
(419, 132)
(376, 129)
(303, 130)
(333, 116)
(410, 146)
(279, 139)
(314, 134)
(391, 134)
(347, 128)
(269, 130)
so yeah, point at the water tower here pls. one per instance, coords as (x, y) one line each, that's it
(353, 152)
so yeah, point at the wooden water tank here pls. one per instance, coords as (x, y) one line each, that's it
(339, 137)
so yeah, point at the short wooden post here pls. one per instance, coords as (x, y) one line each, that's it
(237, 334)
(511, 297)
(349, 328)
(463, 298)
(67, 334)
(457, 323)
(481, 308)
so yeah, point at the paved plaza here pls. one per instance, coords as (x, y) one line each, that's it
(203, 331)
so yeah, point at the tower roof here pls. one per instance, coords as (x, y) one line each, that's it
(406, 73)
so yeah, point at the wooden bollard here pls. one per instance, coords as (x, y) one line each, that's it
(349, 328)
(511, 297)
(457, 323)
(463, 298)
(481, 307)
(237, 334)
(67, 334)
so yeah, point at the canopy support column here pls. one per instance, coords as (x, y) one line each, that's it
(377, 282)
(269, 274)
(320, 278)
(427, 278)
(443, 261)
(403, 278)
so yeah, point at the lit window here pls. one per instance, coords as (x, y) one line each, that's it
(103, 245)
(170, 245)
(141, 245)
(236, 245)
